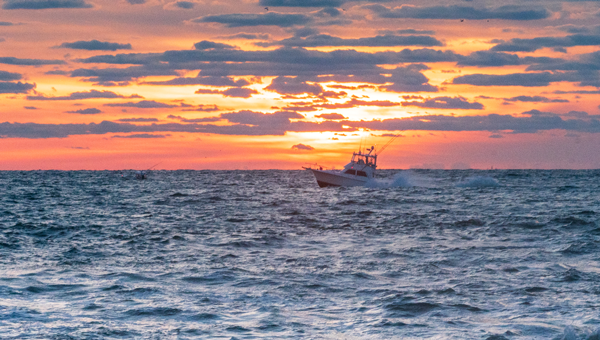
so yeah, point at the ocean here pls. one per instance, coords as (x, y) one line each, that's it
(423, 254)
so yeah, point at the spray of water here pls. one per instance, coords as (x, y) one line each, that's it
(403, 179)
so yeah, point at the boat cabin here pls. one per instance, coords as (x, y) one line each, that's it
(362, 164)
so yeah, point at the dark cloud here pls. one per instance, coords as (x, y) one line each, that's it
(9, 76)
(302, 3)
(414, 31)
(455, 12)
(492, 59)
(445, 103)
(268, 19)
(141, 135)
(237, 92)
(515, 79)
(530, 45)
(44, 4)
(255, 123)
(207, 80)
(248, 36)
(137, 2)
(89, 111)
(204, 108)
(261, 119)
(6, 23)
(293, 86)
(29, 62)
(92, 94)
(211, 45)
(138, 120)
(331, 116)
(185, 4)
(535, 99)
(492, 122)
(30, 107)
(409, 79)
(356, 102)
(122, 76)
(378, 41)
(144, 104)
(302, 147)
(18, 87)
(95, 45)
(195, 120)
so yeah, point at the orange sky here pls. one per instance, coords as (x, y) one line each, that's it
(98, 84)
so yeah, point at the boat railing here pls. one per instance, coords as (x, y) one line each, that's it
(315, 166)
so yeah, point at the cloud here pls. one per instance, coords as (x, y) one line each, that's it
(528, 122)
(92, 94)
(90, 111)
(378, 41)
(293, 86)
(302, 3)
(409, 79)
(18, 87)
(138, 120)
(261, 119)
(356, 102)
(211, 45)
(195, 120)
(141, 135)
(185, 4)
(121, 76)
(30, 107)
(331, 116)
(203, 108)
(144, 104)
(233, 92)
(29, 62)
(136, 2)
(530, 45)
(445, 103)
(268, 19)
(515, 79)
(491, 59)
(95, 45)
(8, 76)
(248, 36)
(302, 147)
(44, 4)
(251, 123)
(455, 12)
(6, 23)
(200, 80)
(535, 99)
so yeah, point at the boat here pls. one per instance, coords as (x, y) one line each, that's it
(356, 173)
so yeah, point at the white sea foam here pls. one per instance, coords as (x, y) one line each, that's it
(404, 179)
(478, 182)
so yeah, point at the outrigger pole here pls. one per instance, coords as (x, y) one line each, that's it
(388, 143)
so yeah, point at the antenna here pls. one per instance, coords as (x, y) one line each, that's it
(360, 145)
(388, 143)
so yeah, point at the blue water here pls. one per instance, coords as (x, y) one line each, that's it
(502, 254)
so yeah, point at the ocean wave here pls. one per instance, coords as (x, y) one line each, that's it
(478, 182)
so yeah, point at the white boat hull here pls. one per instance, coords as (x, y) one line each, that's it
(337, 179)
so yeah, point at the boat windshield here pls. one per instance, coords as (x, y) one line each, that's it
(360, 158)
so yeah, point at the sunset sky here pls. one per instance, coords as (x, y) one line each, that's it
(277, 84)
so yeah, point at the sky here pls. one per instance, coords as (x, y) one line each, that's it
(279, 84)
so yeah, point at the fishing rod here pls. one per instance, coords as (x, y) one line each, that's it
(388, 144)
(152, 167)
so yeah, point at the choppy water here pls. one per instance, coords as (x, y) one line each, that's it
(268, 254)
